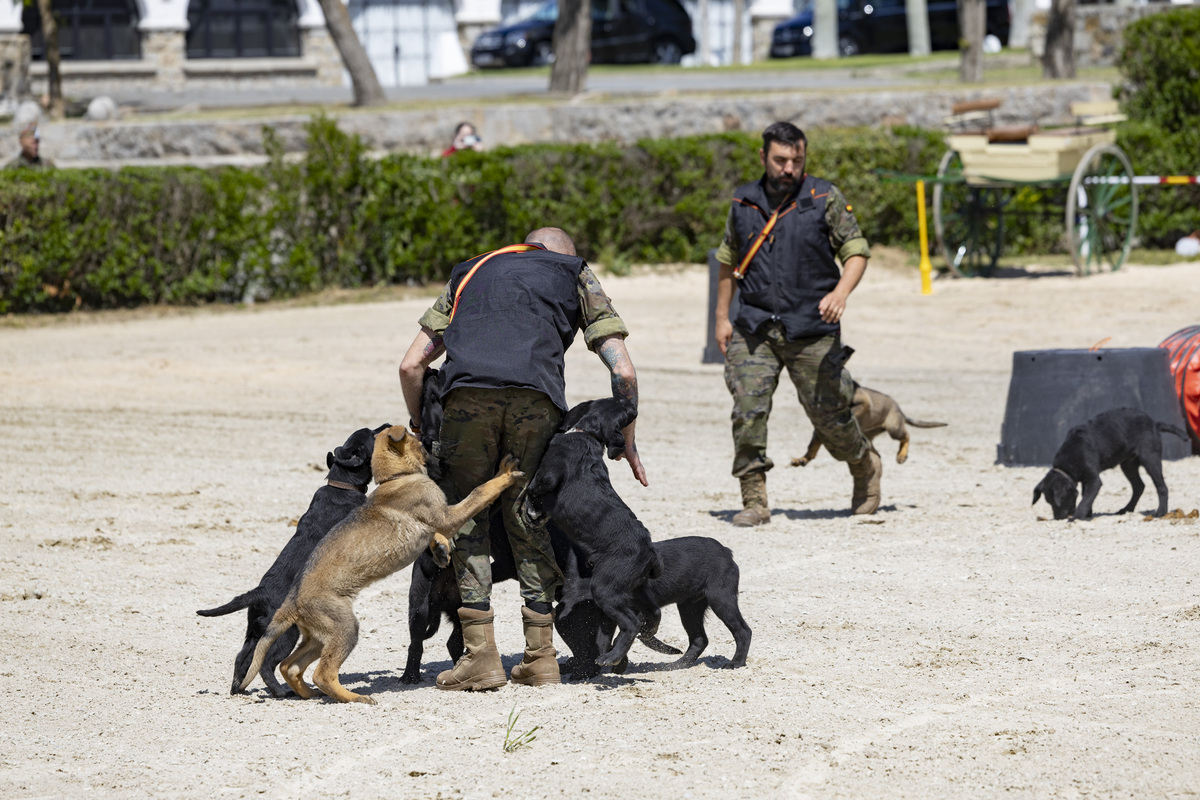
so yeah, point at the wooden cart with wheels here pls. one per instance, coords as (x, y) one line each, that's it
(977, 174)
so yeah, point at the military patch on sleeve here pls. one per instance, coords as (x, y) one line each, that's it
(849, 207)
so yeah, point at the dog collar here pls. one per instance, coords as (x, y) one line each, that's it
(392, 478)
(361, 488)
(1060, 472)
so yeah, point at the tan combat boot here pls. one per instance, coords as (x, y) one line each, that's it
(539, 666)
(866, 473)
(479, 667)
(755, 509)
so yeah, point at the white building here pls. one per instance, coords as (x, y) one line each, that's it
(169, 45)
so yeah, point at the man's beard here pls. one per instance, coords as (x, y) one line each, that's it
(781, 184)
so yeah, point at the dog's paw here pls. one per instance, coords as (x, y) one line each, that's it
(800, 462)
(440, 548)
(609, 659)
(411, 677)
(508, 466)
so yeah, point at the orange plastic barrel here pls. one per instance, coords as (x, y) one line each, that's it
(1183, 348)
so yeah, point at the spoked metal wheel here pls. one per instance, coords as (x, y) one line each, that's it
(968, 221)
(1102, 210)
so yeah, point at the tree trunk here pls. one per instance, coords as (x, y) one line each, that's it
(572, 46)
(367, 91)
(825, 29)
(972, 27)
(55, 109)
(917, 13)
(739, 20)
(1058, 59)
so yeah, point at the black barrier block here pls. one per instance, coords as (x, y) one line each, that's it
(1052, 391)
(712, 353)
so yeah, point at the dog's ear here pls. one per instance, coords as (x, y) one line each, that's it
(614, 440)
(380, 429)
(1037, 491)
(396, 433)
(572, 417)
(329, 460)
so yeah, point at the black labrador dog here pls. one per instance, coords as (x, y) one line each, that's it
(348, 478)
(572, 489)
(1124, 437)
(698, 573)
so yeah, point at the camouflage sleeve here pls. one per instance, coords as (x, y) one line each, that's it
(599, 317)
(438, 315)
(844, 234)
(727, 253)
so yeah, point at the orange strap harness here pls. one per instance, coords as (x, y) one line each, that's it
(741, 268)
(512, 248)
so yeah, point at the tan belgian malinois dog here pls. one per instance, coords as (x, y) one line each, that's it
(876, 413)
(406, 512)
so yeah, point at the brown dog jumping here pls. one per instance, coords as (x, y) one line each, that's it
(876, 413)
(406, 512)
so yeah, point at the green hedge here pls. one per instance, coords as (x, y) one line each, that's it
(1160, 64)
(337, 217)
(1160, 67)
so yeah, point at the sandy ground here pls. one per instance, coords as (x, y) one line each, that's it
(951, 646)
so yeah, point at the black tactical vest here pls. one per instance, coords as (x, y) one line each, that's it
(514, 321)
(795, 266)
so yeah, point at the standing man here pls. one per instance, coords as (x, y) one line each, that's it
(29, 157)
(505, 321)
(783, 233)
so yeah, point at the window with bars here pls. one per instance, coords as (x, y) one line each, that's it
(242, 29)
(88, 30)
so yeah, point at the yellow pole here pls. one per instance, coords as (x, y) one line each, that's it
(926, 267)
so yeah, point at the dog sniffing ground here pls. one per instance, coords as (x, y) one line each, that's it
(952, 645)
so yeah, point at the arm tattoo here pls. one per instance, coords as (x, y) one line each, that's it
(616, 358)
(432, 350)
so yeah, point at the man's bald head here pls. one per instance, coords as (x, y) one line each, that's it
(555, 239)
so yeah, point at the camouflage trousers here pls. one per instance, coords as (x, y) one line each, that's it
(479, 428)
(753, 362)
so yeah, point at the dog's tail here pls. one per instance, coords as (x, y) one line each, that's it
(284, 618)
(657, 646)
(1166, 427)
(917, 423)
(244, 600)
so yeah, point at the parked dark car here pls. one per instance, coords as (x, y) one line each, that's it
(623, 31)
(881, 26)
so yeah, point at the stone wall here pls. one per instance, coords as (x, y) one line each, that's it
(318, 48)
(77, 143)
(166, 51)
(1098, 31)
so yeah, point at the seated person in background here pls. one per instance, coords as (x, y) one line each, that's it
(28, 157)
(465, 138)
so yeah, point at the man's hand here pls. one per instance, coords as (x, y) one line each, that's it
(832, 306)
(631, 455)
(724, 333)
